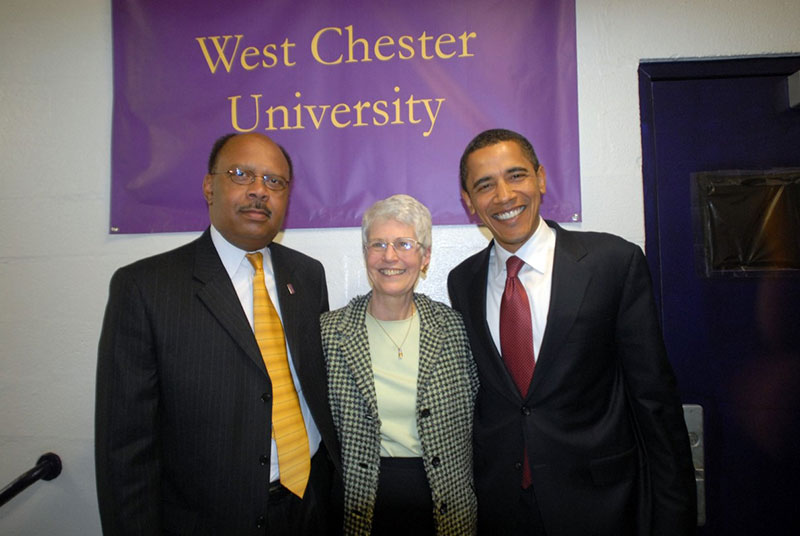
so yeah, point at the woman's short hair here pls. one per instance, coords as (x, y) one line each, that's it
(401, 208)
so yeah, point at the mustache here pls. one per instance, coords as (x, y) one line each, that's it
(259, 206)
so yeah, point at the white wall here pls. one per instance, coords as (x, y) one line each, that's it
(56, 257)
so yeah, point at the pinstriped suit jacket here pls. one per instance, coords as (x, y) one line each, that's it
(183, 407)
(446, 387)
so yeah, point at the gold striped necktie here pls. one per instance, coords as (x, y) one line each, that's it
(288, 427)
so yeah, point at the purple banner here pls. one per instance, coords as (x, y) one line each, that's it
(369, 98)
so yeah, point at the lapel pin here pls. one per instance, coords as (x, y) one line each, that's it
(290, 287)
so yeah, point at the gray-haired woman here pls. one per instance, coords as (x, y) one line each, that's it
(402, 387)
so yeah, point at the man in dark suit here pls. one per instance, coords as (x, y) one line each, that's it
(578, 426)
(184, 399)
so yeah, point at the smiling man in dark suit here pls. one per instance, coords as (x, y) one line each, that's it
(578, 426)
(186, 439)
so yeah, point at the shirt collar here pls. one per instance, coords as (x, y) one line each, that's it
(230, 255)
(533, 252)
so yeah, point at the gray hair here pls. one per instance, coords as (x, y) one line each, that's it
(402, 209)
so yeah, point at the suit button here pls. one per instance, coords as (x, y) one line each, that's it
(266, 397)
(264, 459)
(435, 461)
(260, 522)
(518, 466)
(525, 410)
(425, 413)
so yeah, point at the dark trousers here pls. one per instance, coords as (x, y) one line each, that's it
(404, 505)
(528, 521)
(314, 514)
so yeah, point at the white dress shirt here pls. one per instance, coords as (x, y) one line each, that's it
(536, 276)
(241, 273)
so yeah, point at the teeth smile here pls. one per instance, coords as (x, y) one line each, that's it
(510, 214)
(387, 271)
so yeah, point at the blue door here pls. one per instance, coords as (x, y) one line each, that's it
(734, 341)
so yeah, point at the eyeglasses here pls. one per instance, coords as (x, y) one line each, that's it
(401, 245)
(247, 176)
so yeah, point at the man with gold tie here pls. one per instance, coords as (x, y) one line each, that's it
(212, 414)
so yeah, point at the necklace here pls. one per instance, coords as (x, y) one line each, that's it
(408, 330)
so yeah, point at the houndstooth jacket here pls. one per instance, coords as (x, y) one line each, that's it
(446, 387)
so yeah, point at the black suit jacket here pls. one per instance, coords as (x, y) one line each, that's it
(602, 421)
(182, 431)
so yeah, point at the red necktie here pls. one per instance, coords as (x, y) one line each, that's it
(516, 338)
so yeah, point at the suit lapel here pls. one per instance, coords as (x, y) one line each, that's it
(570, 279)
(476, 295)
(219, 296)
(292, 303)
(355, 351)
(430, 344)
